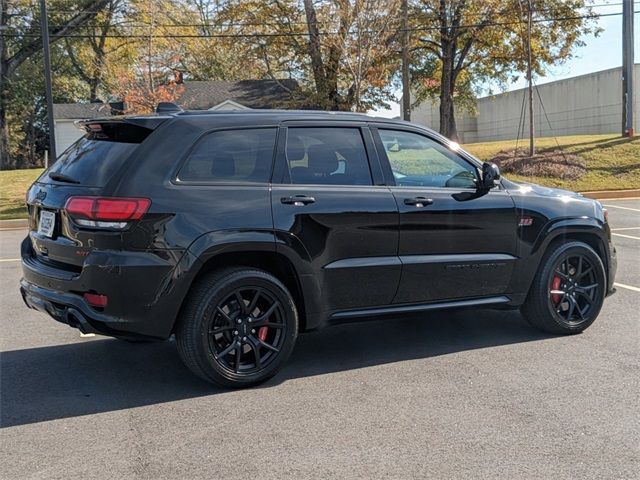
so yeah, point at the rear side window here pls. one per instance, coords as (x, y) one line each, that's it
(97, 156)
(327, 156)
(229, 156)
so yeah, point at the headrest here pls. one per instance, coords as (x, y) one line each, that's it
(322, 159)
(223, 164)
(295, 148)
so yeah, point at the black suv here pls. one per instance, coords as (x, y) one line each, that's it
(237, 230)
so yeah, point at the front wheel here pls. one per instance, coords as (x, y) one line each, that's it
(568, 290)
(238, 327)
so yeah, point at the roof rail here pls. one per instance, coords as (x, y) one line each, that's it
(167, 107)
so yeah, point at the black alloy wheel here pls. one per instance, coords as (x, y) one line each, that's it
(574, 289)
(568, 290)
(237, 328)
(246, 331)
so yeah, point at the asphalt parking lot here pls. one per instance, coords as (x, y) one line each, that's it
(456, 395)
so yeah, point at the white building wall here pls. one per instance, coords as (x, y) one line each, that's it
(587, 104)
(636, 98)
(66, 134)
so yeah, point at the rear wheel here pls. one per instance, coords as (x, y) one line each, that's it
(238, 327)
(568, 290)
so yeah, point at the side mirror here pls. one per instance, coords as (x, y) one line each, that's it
(490, 175)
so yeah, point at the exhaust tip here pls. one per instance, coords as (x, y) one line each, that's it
(72, 320)
(77, 320)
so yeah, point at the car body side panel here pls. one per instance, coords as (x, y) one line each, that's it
(344, 223)
(453, 249)
(459, 243)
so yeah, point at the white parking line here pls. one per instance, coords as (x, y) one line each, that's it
(9, 259)
(628, 287)
(624, 228)
(625, 236)
(623, 208)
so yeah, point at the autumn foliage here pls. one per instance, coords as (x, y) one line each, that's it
(141, 97)
(343, 54)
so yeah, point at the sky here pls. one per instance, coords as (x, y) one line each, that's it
(598, 53)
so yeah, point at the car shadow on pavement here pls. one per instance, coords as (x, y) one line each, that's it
(103, 375)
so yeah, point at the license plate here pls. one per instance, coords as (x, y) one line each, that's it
(46, 224)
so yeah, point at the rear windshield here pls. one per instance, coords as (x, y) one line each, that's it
(97, 156)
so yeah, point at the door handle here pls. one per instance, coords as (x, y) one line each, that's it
(418, 202)
(297, 200)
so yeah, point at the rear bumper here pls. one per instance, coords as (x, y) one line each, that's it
(144, 290)
(66, 309)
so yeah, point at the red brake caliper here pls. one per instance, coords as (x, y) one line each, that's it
(555, 285)
(262, 333)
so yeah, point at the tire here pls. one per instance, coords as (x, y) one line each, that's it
(568, 290)
(231, 335)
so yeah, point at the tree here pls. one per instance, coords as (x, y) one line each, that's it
(88, 56)
(20, 40)
(140, 96)
(462, 44)
(210, 57)
(372, 52)
(357, 55)
(343, 53)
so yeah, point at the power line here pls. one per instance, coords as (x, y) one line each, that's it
(598, 5)
(304, 34)
(249, 24)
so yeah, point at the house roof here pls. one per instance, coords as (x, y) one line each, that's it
(203, 95)
(80, 110)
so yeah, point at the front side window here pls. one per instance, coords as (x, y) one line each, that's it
(327, 156)
(231, 156)
(418, 161)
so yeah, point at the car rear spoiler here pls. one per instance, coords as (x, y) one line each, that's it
(150, 122)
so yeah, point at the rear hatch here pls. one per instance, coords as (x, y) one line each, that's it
(69, 213)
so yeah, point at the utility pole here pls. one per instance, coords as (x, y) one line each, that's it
(44, 28)
(532, 147)
(406, 95)
(627, 68)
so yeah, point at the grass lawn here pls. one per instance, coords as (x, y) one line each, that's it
(13, 186)
(612, 163)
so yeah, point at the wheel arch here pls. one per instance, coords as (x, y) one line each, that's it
(587, 230)
(255, 249)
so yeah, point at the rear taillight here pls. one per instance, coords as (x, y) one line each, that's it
(106, 212)
(96, 300)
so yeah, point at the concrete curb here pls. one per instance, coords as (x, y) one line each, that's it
(611, 194)
(13, 223)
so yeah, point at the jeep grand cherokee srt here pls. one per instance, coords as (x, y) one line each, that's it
(237, 230)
